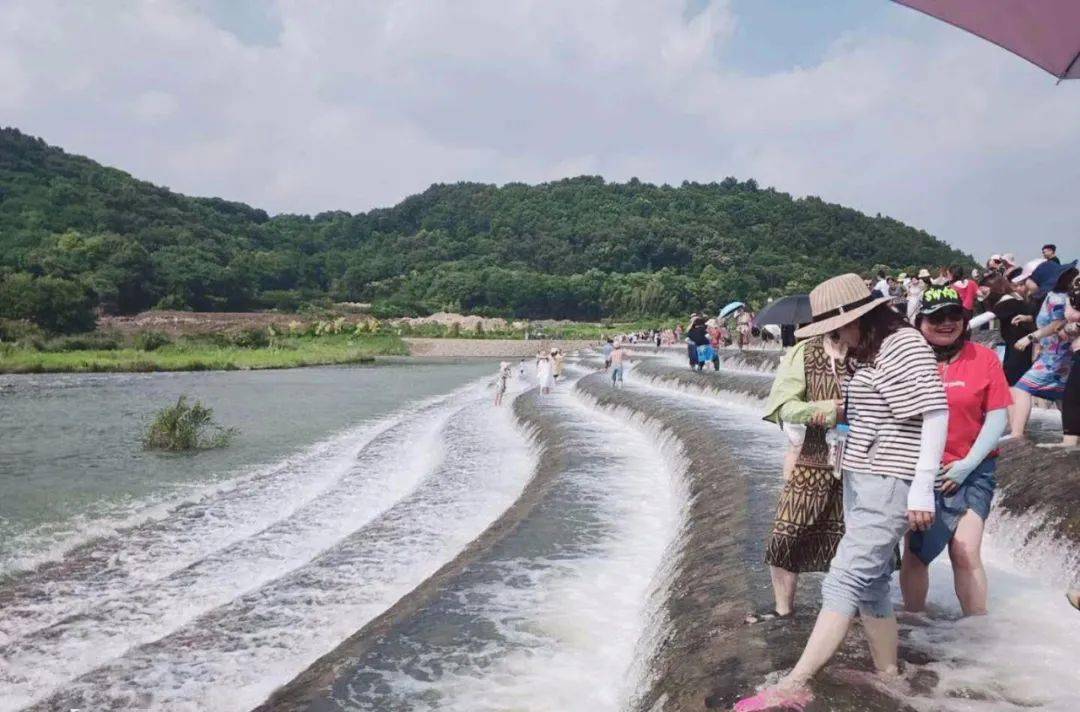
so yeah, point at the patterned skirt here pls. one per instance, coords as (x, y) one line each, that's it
(809, 521)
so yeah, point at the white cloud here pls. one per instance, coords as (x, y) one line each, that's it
(360, 104)
(153, 106)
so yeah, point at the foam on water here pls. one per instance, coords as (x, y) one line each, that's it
(169, 540)
(1022, 655)
(232, 656)
(567, 624)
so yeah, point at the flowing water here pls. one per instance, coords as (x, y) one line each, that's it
(550, 526)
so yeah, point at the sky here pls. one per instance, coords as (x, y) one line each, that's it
(299, 106)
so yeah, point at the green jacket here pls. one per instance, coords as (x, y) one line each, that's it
(787, 401)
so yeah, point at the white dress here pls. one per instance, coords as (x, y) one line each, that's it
(543, 373)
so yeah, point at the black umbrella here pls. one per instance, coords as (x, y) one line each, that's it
(793, 310)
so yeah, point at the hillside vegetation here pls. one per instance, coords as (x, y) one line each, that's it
(77, 236)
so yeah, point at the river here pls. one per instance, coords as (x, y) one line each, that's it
(383, 538)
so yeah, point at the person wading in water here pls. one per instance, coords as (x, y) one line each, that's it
(898, 419)
(810, 513)
(978, 401)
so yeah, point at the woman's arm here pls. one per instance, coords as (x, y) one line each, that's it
(1051, 328)
(985, 318)
(935, 429)
(990, 433)
(802, 412)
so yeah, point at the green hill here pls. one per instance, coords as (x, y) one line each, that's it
(75, 234)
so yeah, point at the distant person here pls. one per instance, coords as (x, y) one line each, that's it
(543, 372)
(967, 288)
(500, 382)
(1015, 315)
(996, 264)
(979, 397)
(895, 290)
(1050, 370)
(882, 284)
(745, 324)
(556, 364)
(1049, 252)
(618, 358)
(1070, 402)
(521, 368)
(609, 346)
(696, 336)
(656, 339)
(915, 290)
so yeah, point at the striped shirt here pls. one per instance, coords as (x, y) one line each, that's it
(885, 404)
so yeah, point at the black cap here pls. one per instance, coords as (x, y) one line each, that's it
(937, 298)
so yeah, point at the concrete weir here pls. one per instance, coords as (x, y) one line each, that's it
(698, 653)
(707, 656)
(314, 689)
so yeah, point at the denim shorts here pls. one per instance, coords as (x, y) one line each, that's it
(875, 519)
(975, 494)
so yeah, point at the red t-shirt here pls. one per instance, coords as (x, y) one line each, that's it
(968, 293)
(974, 384)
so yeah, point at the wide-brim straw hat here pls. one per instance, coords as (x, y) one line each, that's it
(838, 301)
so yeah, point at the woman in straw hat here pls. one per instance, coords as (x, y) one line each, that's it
(898, 416)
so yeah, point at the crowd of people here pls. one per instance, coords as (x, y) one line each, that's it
(894, 414)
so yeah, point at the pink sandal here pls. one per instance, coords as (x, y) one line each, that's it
(771, 698)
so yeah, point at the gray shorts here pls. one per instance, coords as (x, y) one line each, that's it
(875, 520)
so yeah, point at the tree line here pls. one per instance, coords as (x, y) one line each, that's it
(77, 237)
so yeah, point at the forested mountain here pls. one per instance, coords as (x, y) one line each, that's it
(75, 234)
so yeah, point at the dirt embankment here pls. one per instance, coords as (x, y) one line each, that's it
(184, 323)
(490, 348)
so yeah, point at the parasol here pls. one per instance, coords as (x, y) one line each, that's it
(730, 309)
(787, 310)
(1044, 32)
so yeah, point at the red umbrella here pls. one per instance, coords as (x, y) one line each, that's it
(1044, 32)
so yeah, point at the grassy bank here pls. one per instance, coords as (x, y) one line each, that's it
(204, 355)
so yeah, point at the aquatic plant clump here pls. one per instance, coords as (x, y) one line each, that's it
(185, 427)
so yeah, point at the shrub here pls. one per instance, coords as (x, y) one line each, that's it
(81, 342)
(185, 428)
(151, 340)
(55, 304)
(251, 339)
(15, 329)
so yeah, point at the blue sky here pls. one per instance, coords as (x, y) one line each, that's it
(299, 106)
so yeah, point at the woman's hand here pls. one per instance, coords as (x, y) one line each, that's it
(919, 521)
(1022, 343)
(1022, 318)
(945, 484)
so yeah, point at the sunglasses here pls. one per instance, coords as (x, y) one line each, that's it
(945, 315)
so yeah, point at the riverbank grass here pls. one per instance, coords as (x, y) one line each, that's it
(205, 355)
